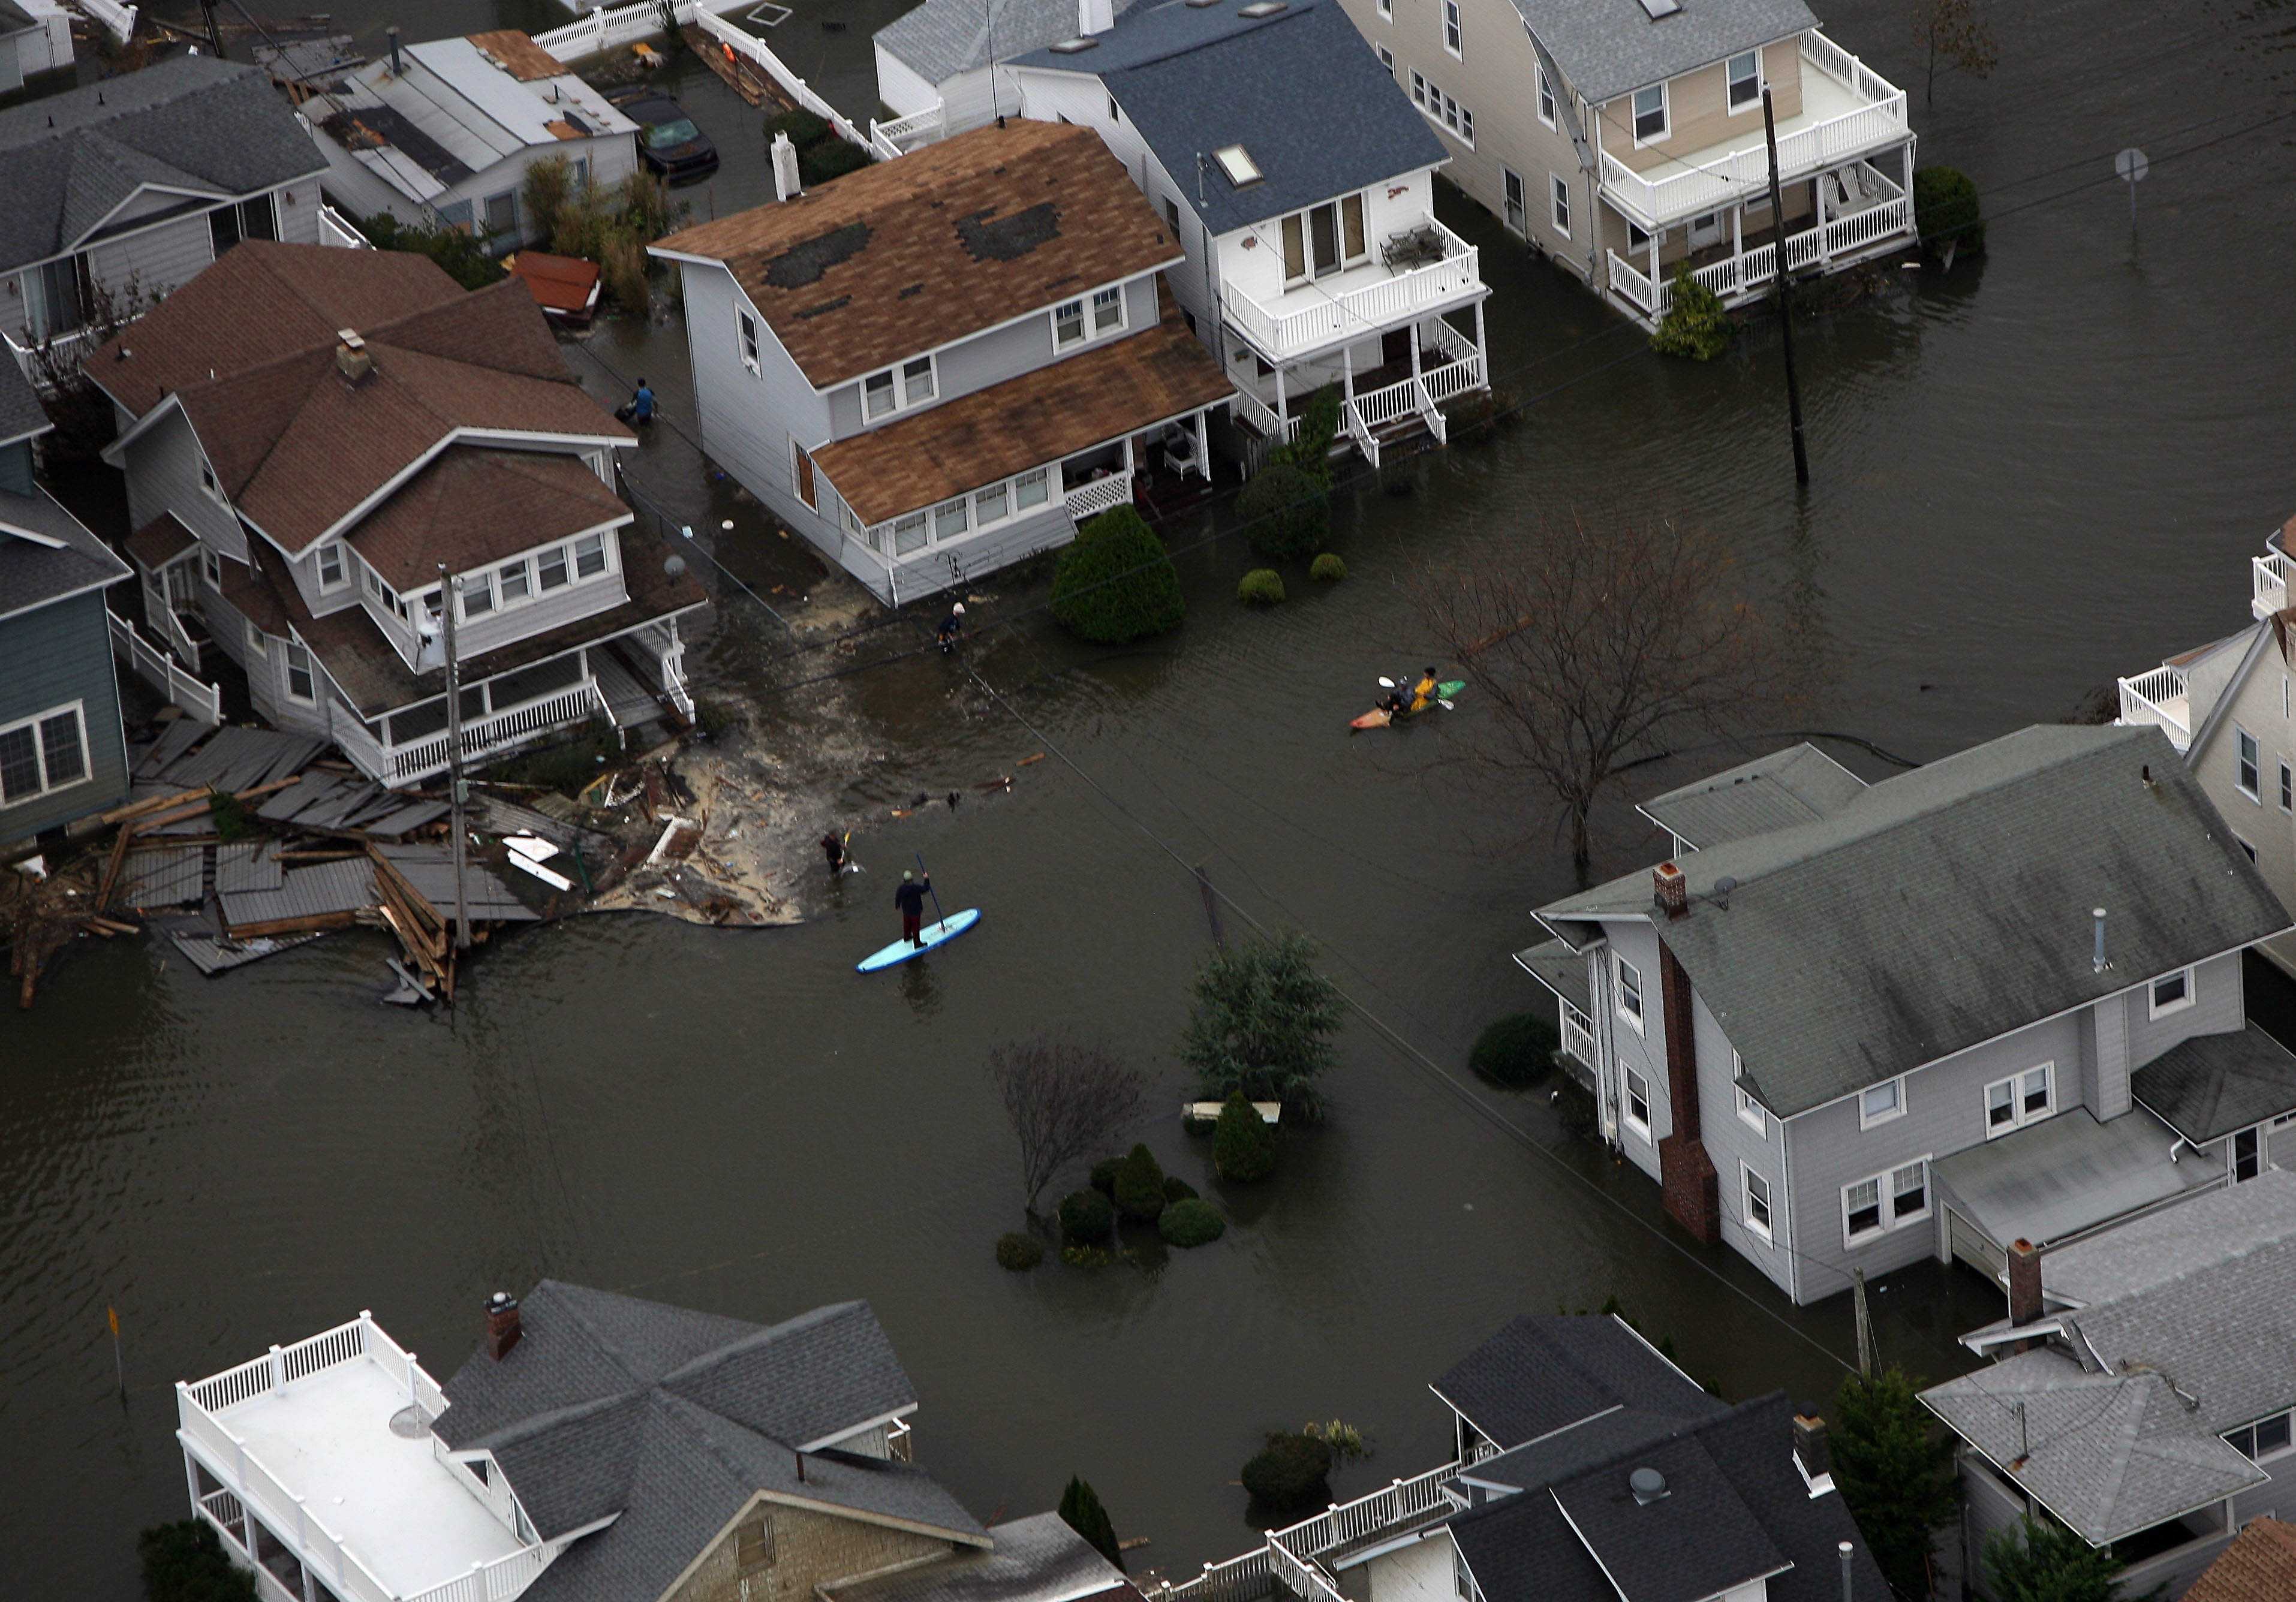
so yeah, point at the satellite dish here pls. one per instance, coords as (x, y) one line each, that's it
(675, 566)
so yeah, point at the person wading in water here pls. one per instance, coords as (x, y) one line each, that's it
(911, 899)
(833, 848)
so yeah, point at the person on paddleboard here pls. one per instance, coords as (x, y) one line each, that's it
(911, 899)
(951, 626)
(1425, 690)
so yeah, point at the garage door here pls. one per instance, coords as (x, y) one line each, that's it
(1970, 1244)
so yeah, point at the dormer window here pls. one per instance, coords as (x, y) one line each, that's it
(329, 564)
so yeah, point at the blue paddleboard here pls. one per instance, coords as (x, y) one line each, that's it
(933, 934)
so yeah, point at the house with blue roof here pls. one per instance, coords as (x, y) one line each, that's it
(1300, 184)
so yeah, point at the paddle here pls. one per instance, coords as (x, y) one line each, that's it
(938, 916)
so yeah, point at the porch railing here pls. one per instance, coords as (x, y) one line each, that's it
(2268, 580)
(1100, 494)
(1453, 379)
(2146, 699)
(1288, 1554)
(1351, 421)
(1734, 277)
(1326, 317)
(1632, 281)
(159, 669)
(489, 736)
(72, 349)
(1577, 1034)
(336, 229)
(903, 134)
(1244, 1579)
(1263, 417)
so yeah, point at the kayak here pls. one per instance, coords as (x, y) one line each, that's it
(1379, 717)
(933, 934)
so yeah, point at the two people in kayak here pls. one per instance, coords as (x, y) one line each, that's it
(1399, 702)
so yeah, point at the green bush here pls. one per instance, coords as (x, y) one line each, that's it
(1291, 1474)
(1104, 1176)
(1117, 582)
(1310, 448)
(831, 159)
(1177, 1189)
(1190, 1221)
(1946, 209)
(1328, 568)
(463, 257)
(803, 128)
(1140, 1187)
(1088, 1218)
(1517, 1051)
(1262, 586)
(1286, 511)
(549, 183)
(1695, 325)
(1262, 1023)
(185, 1562)
(1018, 1252)
(1243, 1148)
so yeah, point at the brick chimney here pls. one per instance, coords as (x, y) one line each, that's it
(352, 359)
(1810, 1448)
(2024, 1282)
(1687, 1183)
(502, 1324)
(1670, 889)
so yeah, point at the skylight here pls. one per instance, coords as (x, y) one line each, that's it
(1236, 162)
(1662, 8)
(1267, 8)
(1073, 47)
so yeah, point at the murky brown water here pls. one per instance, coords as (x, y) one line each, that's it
(2045, 471)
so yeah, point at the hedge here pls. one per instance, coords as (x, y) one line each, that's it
(1020, 1253)
(1117, 583)
(1190, 1221)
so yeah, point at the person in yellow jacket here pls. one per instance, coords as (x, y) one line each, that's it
(1423, 691)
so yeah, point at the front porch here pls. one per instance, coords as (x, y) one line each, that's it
(1392, 386)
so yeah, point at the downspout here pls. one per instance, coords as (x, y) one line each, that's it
(1566, 106)
(1785, 1190)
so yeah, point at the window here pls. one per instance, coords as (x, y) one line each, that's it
(991, 506)
(212, 566)
(1745, 75)
(208, 480)
(1029, 490)
(877, 395)
(549, 569)
(257, 644)
(589, 556)
(909, 533)
(1418, 90)
(1751, 1113)
(1068, 325)
(750, 342)
(1236, 162)
(1886, 1201)
(1650, 114)
(2248, 759)
(1758, 1202)
(1558, 201)
(299, 686)
(247, 219)
(1631, 992)
(1466, 126)
(1452, 40)
(916, 381)
(331, 566)
(512, 583)
(2246, 849)
(2265, 1438)
(753, 1546)
(1172, 216)
(2287, 788)
(1639, 238)
(1880, 1103)
(2172, 992)
(1516, 206)
(1451, 113)
(56, 294)
(1107, 311)
(1861, 1209)
(478, 595)
(1909, 1193)
(2020, 1100)
(2247, 1155)
(42, 752)
(1637, 1101)
(1115, 114)
(1386, 59)
(1387, 9)
(502, 214)
(1545, 98)
(950, 518)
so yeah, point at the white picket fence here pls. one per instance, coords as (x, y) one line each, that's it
(753, 49)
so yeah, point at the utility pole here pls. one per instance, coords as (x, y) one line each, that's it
(448, 595)
(1786, 295)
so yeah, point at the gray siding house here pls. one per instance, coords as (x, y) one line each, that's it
(940, 364)
(1999, 997)
(942, 68)
(120, 191)
(62, 755)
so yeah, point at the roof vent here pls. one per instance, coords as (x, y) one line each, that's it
(1264, 8)
(1662, 8)
(1648, 1484)
(1073, 47)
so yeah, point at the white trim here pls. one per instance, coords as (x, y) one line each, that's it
(1619, 968)
(850, 1432)
(2019, 1118)
(1549, 107)
(747, 343)
(897, 382)
(1761, 80)
(2157, 1008)
(1455, 30)
(1626, 1100)
(75, 709)
(1748, 1178)
(2247, 754)
(1751, 1113)
(1558, 205)
(1896, 1107)
(89, 241)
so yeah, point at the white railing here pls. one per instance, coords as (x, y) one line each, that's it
(495, 1581)
(260, 1494)
(2268, 581)
(175, 637)
(1262, 416)
(158, 669)
(1391, 403)
(2148, 697)
(119, 21)
(1396, 1502)
(1632, 281)
(1244, 1579)
(1577, 1034)
(1303, 1579)
(71, 349)
(903, 134)
(1351, 423)
(1453, 379)
(1734, 277)
(491, 735)
(753, 49)
(1100, 494)
(1845, 68)
(1323, 317)
(336, 229)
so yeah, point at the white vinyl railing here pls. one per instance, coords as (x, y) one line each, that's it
(1262, 416)
(1577, 1034)
(1100, 494)
(1631, 282)
(1323, 317)
(1736, 277)
(1244, 1579)
(336, 229)
(2268, 580)
(487, 736)
(753, 49)
(1391, 403)
(903, 134)
(1351, 423)
(2159, 697)
(72, 349)
(1288, 1555)
(159, 669)
(1454, 378)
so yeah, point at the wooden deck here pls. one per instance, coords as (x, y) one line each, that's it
(741, 74)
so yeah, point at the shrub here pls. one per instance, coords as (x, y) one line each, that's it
(1262, 586)
(1344, 1440)
(1190, 1221)
(1080, 1510)
(1310, 448)
(1177, 1189)
(1517, 1051)
(644, 205)
(803, 128)
(1262, 1023)
(1104, 1176)
(1140, 1187)
(581, 224)
(1019, 1252)
(1291, 1473)
(1117, 582)
(548, 185)
(1088, 1218)
(1286, 511)
(1695, 325)
(1946, 210)
(185, 1562)
(1243, 1149)
(622, 268)
(833, 158)
(1328, 568)
(463, 257)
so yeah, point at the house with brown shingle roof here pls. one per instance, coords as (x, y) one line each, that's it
(2259, 1566)
(934, 367)
(321, 445)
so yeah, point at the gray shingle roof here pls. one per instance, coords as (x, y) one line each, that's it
(1195, 80)
(941, 38)
(66, 162)
(21, 415)
(1607, 47)
(1561, 969)
(13, 19)
(33, 573)
(1541, 1372)
(2216, 1084)
(1797, 785)
(1950, 905)
(1035, 1559)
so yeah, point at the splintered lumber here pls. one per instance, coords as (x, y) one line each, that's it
(111, 868)
(205, 801)
(416, 915)
(137, 810)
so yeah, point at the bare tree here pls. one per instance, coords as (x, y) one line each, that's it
(82, 412)
(1951, 33)
(1068, 1099)
(1593, 646)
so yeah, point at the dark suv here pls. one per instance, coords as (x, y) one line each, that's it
(668, 141)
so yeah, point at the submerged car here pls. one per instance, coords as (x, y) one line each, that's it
(668, 143)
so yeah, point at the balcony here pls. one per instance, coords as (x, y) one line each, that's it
(898, 137)
(1299, 1556)
(2159, 697)
(1848, 110)
(1357, 303)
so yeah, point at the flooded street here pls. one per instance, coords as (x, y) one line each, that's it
(2044, 471)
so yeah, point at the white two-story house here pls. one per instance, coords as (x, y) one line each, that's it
(1301, 184)
(1998, 997)
(1624, 138)
(940, 364)
(309, 435)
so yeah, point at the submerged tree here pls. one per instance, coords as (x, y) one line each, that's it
(1080, 1510)
(1894, 1468)
(1263, 1023)
(1066, 1099)
(1594, 645)
(1952, 34)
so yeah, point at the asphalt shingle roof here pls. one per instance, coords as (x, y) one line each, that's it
(1950, 905)
(2259, 1566)
(34, 573)
(21, 415)
(1542, 1372)
(66, 162)
(2213, 1084)
(1607, 47)
(941, 38)
(1561, 969)
(1797, 785)
(1196, 80)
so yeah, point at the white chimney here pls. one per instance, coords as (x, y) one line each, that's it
(787, 185)
(1094, 17)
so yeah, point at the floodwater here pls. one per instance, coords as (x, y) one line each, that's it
(2046, 470)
